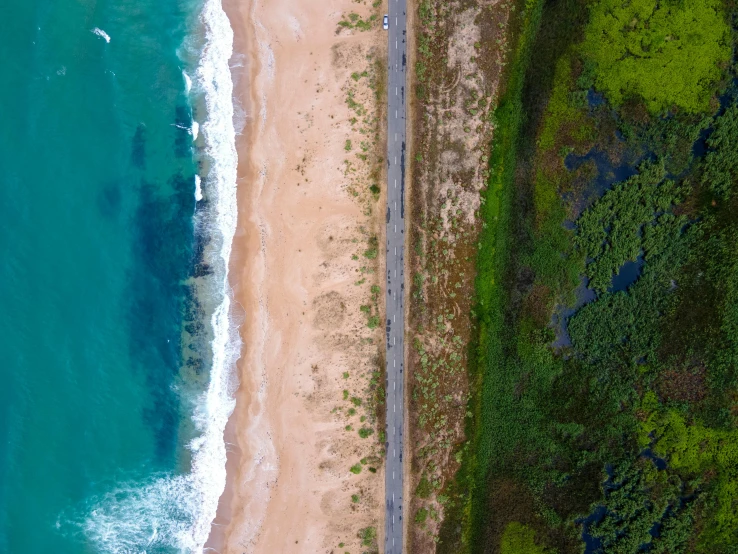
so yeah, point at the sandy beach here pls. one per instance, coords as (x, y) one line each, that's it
(305, 269)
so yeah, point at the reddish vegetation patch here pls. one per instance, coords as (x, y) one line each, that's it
(682, 385)
(538, 304)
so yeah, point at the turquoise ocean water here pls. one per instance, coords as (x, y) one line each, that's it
(115, 225)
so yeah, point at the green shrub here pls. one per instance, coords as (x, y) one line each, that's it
(368, 535)
(421, 515)
(424, 488)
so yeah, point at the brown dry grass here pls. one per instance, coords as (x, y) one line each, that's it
(460, 52)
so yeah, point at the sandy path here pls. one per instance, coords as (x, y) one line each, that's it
(297, 261)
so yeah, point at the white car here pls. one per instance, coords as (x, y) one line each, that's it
(385, 22)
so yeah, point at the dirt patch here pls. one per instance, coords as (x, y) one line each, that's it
(330, 311)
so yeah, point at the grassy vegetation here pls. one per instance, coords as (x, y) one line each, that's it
(492, 260)
(519, 539)
(355, 21)
(632, 424)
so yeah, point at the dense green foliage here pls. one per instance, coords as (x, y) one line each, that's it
(640, 497)
(617, 228)
(559, 433)
(667, 52)
(721, 164)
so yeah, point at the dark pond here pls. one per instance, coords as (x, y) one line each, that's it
(626, 275)
(607, 172)
(660, 463)
(592, 545)
(595, 99)
(584, 295)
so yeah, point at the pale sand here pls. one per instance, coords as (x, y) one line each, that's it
(289, 486)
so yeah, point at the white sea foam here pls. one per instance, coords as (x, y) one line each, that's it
(198, 188)
(195, 130)
(214, 78)
(188, 82)
(176, 511)
(99, 32)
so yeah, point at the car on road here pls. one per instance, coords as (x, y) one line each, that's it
(385, 22)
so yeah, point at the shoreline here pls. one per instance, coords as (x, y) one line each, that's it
(246, 253)
(288, 452)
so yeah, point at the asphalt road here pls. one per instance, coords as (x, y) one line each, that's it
(395, 274)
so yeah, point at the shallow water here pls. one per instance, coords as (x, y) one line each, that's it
(109, 341)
